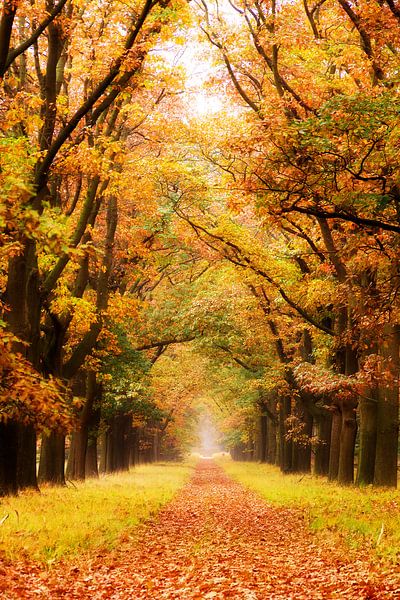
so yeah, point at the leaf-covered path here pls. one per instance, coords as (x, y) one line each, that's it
(215, 540)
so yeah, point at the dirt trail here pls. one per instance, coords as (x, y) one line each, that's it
(216, 540)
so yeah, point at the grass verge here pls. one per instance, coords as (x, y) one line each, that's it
(360, 518)
(63, 522)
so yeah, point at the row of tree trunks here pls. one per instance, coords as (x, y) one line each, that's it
(275, 447)
(123, 445)
(336, 436)
(239, 452)
(335, 428)
(120, 447)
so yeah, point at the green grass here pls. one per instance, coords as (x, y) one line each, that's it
(359, 518)
(63, 522)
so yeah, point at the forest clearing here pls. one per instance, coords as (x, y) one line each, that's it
(200, 253)
(216, 539)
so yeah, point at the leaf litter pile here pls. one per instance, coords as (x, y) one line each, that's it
(215, 540)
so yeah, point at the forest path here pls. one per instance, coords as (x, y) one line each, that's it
(215, 540)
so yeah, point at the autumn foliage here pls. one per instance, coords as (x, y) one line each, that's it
(28, 397)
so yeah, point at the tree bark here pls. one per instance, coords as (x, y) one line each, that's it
(263, 438)
(80, 437)
(301, 458)
(91, 468)
(285, 453)
(22, 298)
(388, 412)
(8, 457)
(91, 465)
(110, 449)
(335, 444)
(323, 424)
(52, 459)
(6, 26)
(347, 444)
(368, 408)
(134, 446)
(26, 462)
(156, 445)
(103, 441)
(272, 442)
(70, 469)
(115, 451)
(368, 401)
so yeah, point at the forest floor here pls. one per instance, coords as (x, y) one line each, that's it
(214, 540)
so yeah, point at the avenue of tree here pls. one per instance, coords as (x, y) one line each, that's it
(159, 262)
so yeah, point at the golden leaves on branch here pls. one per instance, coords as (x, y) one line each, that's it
(28, 397)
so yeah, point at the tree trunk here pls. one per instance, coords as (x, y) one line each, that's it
(82, 435)
(250, 447)
(26, 462)
(349, 423)
(8, 458)
(335, 444)
(285, 444)
(263, 438)
(156, 445)
(127, 441)
(347, 444)
(237, 452)
(146, 445)
(91, 468)
(52, 459)
(123, 454)
(388, 413)
(368, 408)
(323, 424)
(23, 318)
(70, 469)
(301, 460)
(134, 446)
(116, 454)
(103, 440)
(109, 450)
(368, 401)
(271, 440)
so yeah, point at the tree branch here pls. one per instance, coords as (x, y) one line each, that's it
(6, 25)
(344, 216)
(15, 52)
(236, 359)
(97, 93)
(167, 342)
(241, 260)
